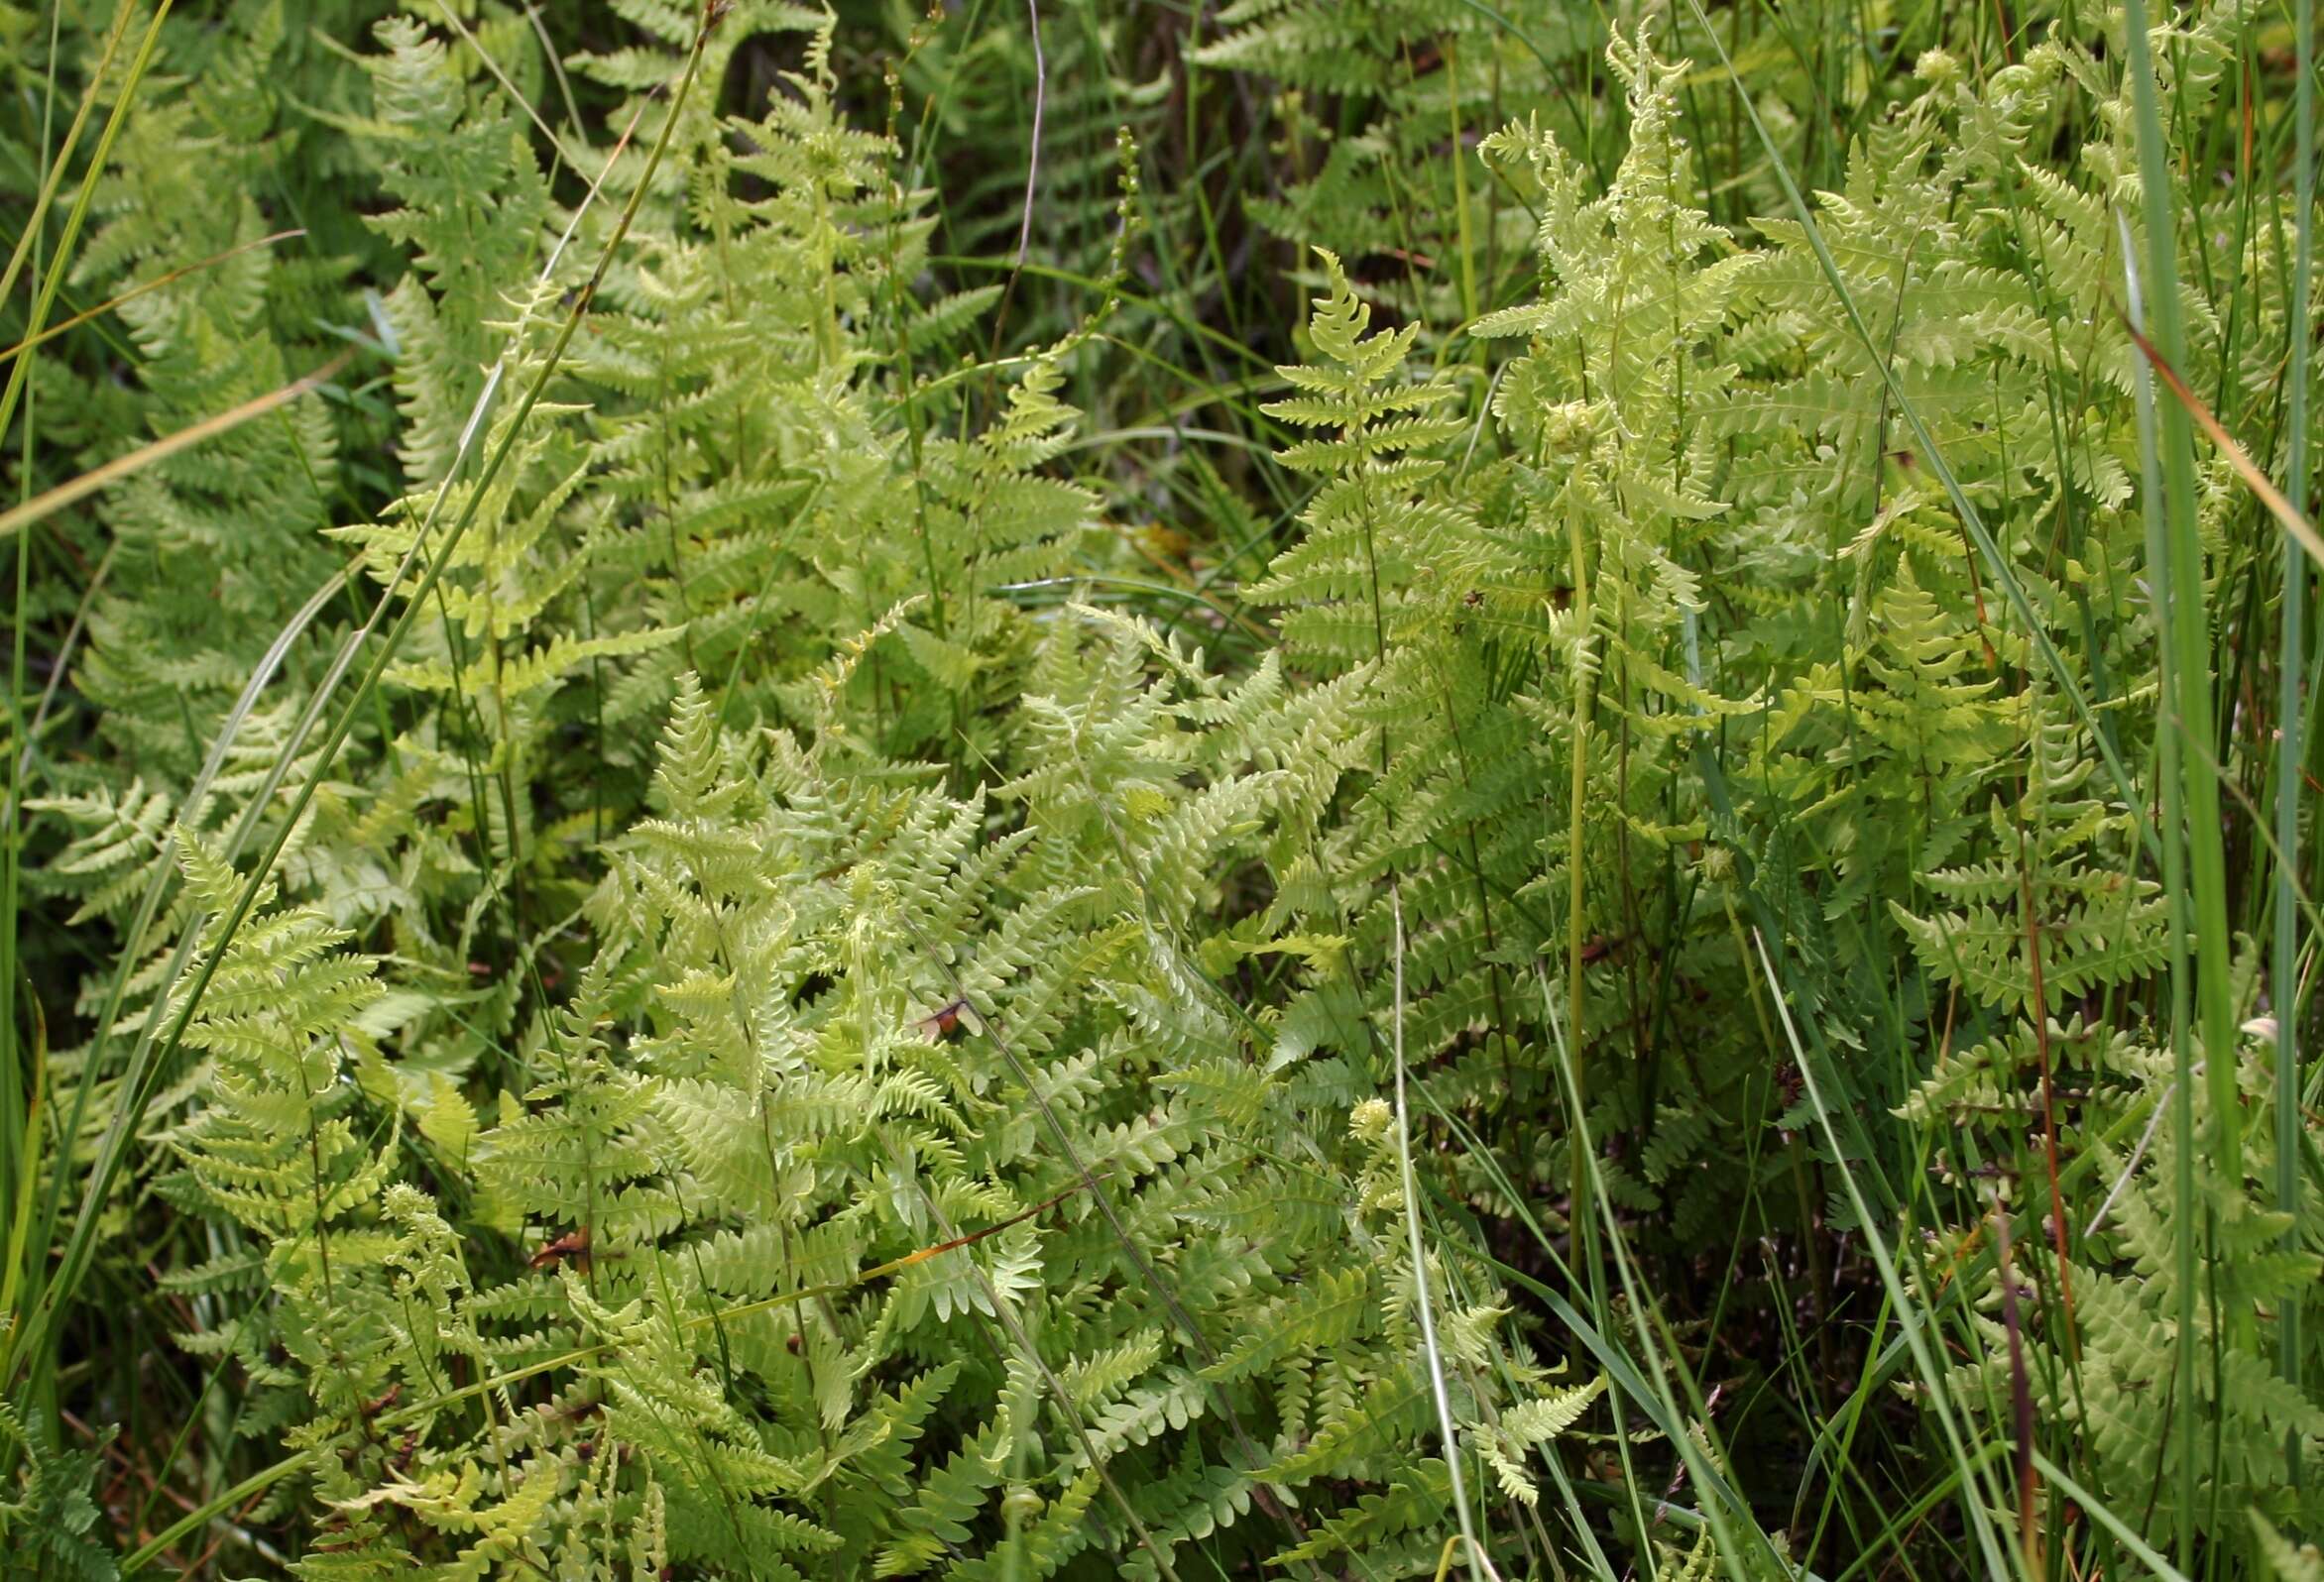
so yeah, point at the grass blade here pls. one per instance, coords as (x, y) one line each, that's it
(43, 506)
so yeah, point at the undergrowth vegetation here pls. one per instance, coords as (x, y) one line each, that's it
(1332, 788)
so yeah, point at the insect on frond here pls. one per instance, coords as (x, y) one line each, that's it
(950, 1023)
(573, 1244)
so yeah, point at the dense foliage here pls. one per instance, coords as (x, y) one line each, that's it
(1338, 787)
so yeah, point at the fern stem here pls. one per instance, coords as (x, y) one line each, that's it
(2039, 1008)
(1578, 792)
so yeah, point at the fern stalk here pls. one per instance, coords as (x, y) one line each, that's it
(1575, 822)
